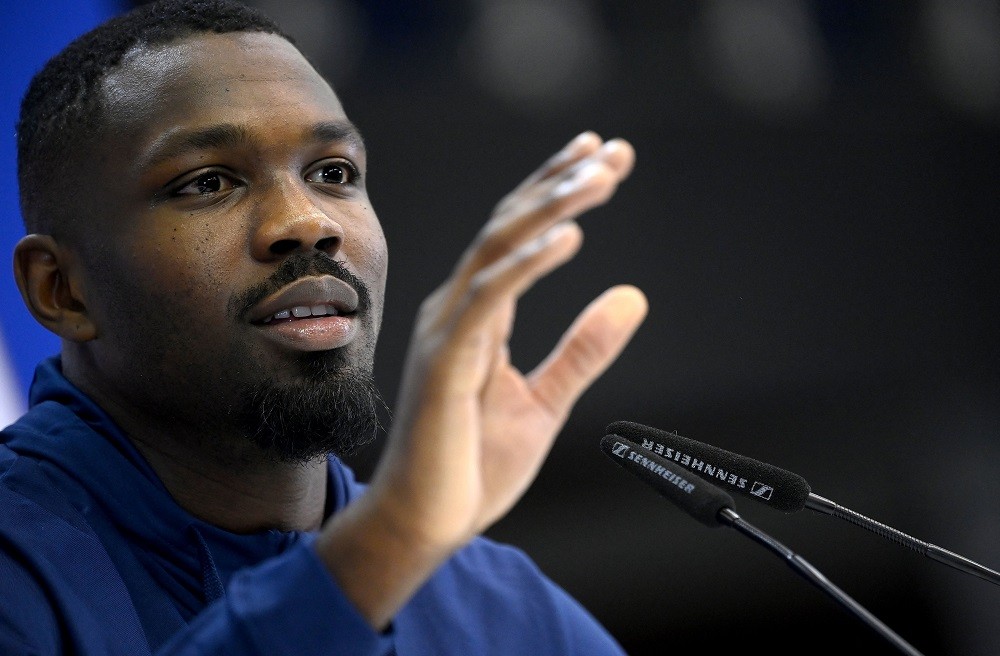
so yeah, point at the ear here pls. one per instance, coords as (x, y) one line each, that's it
(50, 287)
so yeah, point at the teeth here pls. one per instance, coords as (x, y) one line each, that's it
(300, 311)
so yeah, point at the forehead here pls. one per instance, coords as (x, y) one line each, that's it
(242, 78)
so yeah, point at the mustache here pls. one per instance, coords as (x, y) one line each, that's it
(295, 266)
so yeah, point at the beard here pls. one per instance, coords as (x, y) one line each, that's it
(331, 406)
(331, 409)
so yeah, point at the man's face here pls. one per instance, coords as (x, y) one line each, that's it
(227, 187)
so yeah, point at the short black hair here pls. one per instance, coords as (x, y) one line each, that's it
(62, 106)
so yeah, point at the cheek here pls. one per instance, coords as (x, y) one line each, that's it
(375, 260)
(204, 261)
(175, 274)
(369, 248)
(366, 251)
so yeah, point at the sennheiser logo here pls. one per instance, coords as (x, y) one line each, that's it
(761, 490)
(703, 467)
(619, 449)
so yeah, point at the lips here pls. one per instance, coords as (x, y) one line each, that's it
(315, 296)
(301, 312)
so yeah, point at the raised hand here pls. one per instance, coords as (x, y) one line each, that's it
(470, 431)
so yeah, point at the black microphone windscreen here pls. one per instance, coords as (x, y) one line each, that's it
(758, 480)
(695, 496)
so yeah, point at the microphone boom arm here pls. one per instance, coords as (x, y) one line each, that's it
(824, 505)
(778, 488)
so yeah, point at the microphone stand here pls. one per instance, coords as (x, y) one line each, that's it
(713, 507)
(729, 517)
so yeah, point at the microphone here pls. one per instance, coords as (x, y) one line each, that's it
(777, 488)
(758, 480)
(713, 507)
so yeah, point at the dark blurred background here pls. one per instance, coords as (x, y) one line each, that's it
(813, 218)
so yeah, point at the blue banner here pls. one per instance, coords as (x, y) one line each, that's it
(30, 33)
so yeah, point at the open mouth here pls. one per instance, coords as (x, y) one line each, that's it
(302, 312)
(306, 298)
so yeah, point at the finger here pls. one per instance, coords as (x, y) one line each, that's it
(588, 348)
(490, 295)
(617, 154)
(589, 183)
(579, 147)
(502, 324)
(564, 195)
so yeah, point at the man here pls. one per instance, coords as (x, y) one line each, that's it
(201, 241)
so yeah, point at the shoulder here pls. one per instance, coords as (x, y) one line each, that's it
(27, 621)
(58, 588)
(491, 598)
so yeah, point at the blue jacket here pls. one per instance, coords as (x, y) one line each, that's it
(97, 558)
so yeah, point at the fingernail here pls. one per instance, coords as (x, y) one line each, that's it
(554, 232)
(580, 178)
(579, 140)
(611, 145)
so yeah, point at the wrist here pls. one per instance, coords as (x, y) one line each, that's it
(376, 557)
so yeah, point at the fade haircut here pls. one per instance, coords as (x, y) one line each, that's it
(62, 109)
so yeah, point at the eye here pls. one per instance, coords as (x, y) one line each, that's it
(337, 172)
(210, 182)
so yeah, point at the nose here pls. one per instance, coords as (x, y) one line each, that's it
(290, 221)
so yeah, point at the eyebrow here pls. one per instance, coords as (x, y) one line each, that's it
(229, 135)
(343, 131)
(172, 144)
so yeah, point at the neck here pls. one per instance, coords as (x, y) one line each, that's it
(218, 475)
(239, 493)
